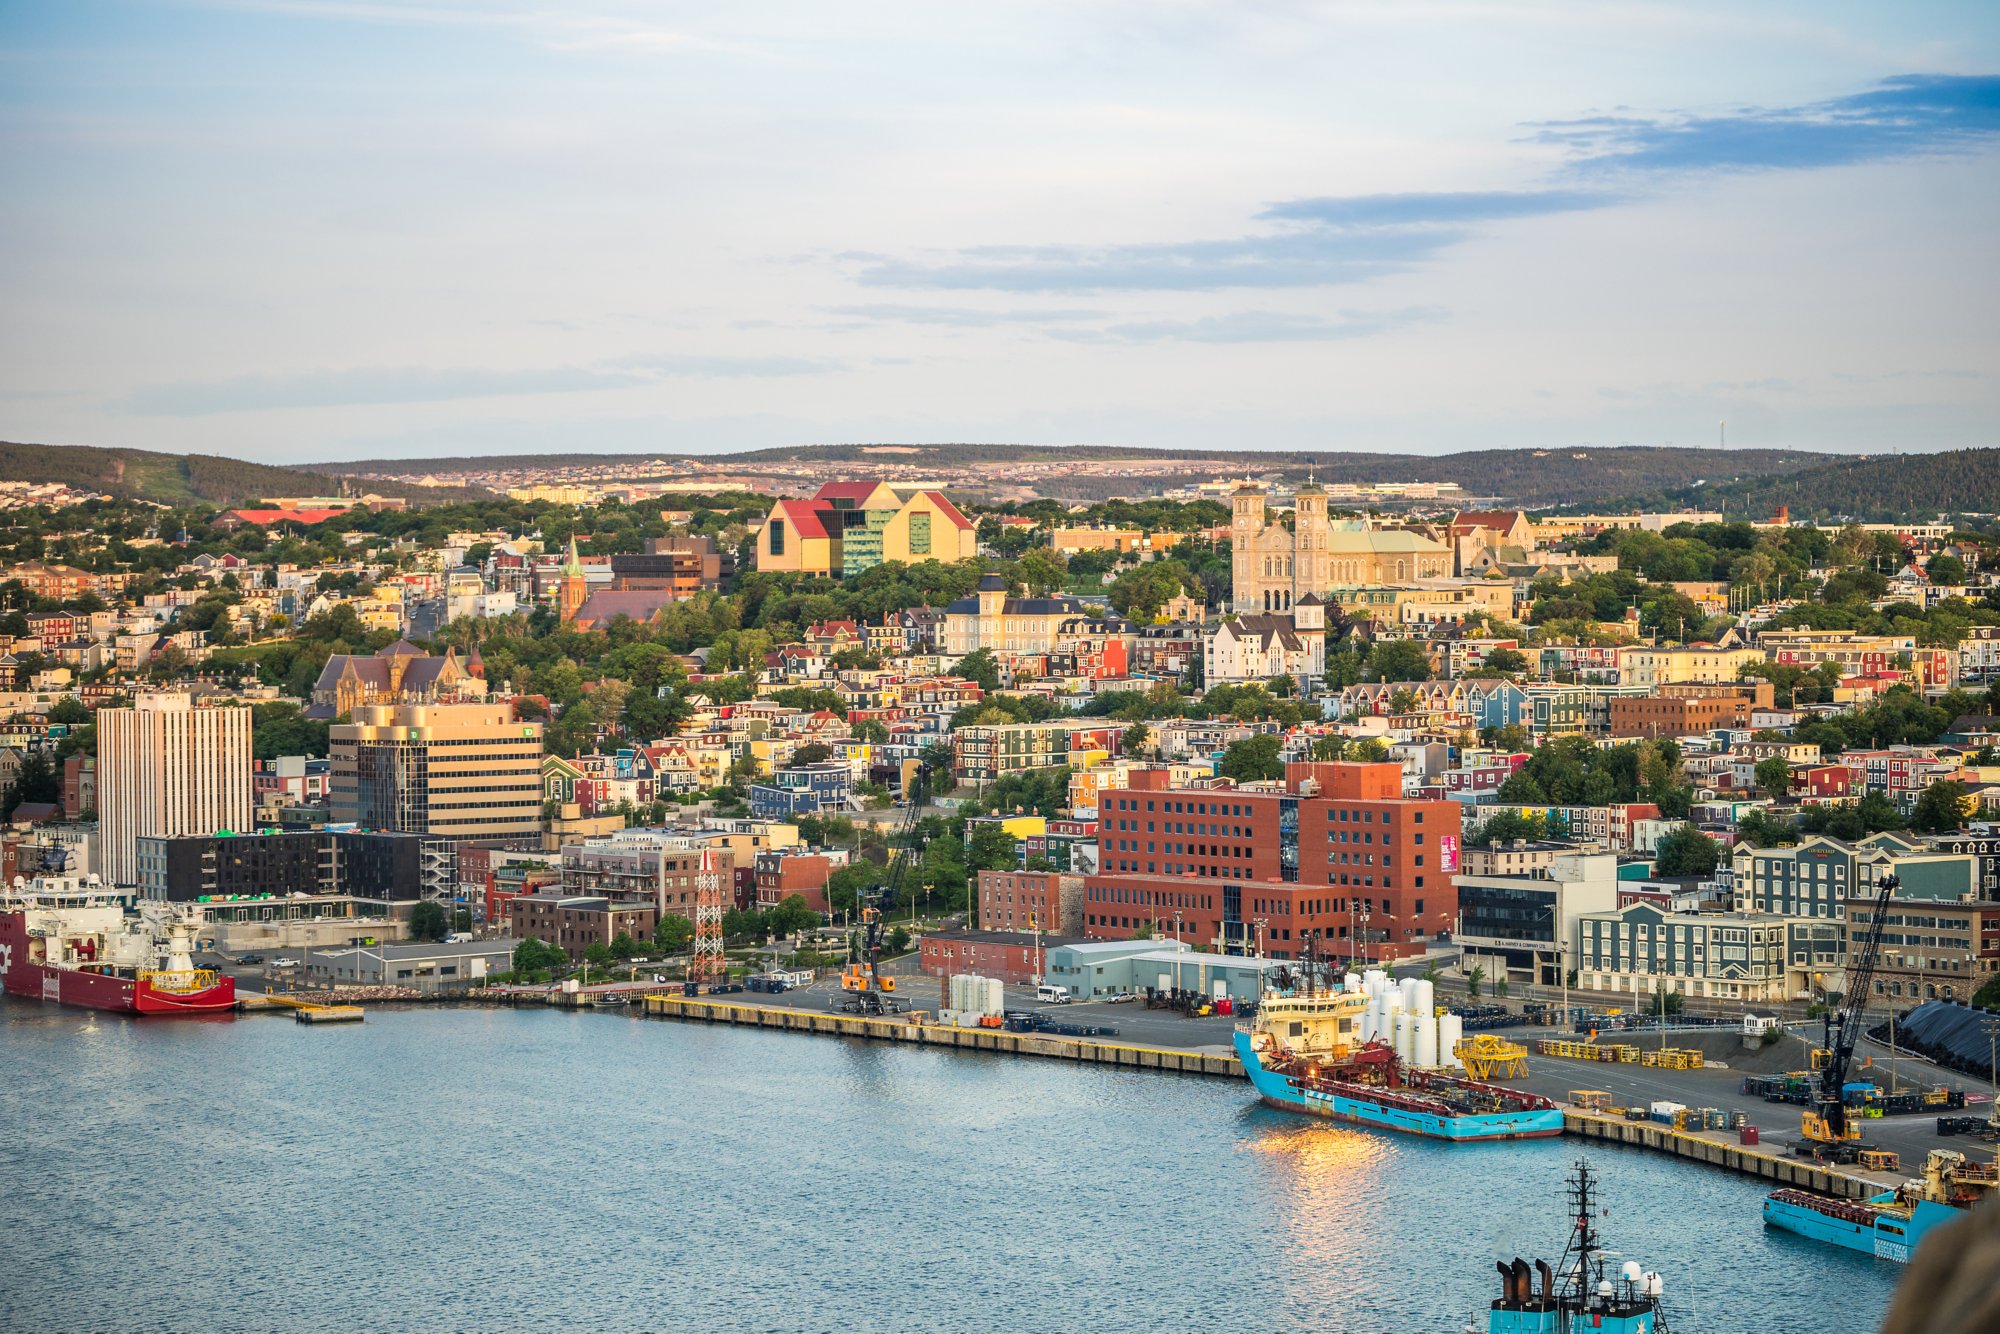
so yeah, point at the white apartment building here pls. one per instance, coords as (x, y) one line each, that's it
(166, 768)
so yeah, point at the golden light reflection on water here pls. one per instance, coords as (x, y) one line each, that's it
(1329, 1184)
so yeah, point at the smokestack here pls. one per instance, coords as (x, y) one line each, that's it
(1784, 516)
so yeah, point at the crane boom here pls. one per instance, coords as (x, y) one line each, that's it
(862, 978)
(1840, 1039)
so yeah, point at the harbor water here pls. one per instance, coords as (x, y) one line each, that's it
(475, 1169)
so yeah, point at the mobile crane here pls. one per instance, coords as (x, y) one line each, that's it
(864, 989)
(1826, 1130)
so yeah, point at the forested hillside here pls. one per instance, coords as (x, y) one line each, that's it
(1874, 488)
(177, 479)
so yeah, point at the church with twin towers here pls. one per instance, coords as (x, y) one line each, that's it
(1276, 567)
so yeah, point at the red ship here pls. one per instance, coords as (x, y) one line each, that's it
(71, 940)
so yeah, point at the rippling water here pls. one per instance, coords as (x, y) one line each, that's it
(528, 1170)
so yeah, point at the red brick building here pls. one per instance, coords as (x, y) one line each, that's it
(1010, 956)
(575, 922)
(1238, 865)
(783, 873)
(1027, 900)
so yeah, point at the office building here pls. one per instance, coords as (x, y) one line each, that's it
(166, 767)
(453, 771)
(1339, 856)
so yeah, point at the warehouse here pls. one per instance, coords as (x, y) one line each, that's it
(1095, 969)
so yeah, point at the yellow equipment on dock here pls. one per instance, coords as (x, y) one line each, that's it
(1488, 1057)
(1673, 1058)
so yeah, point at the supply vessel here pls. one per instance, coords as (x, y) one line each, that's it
(71, 940)
(1887, 1226)
(1319, 1049)
(1578, 1294)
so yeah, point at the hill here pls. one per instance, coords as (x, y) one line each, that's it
(182, 479)
(1533, 477)
(1872, 488)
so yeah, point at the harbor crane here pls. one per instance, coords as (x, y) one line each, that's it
(864, 988)
(1826, 1129)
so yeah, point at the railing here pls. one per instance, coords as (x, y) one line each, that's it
(180, 980)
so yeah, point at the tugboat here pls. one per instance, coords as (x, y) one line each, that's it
(1887, 1226)
(1578, 1295)
(69, 939)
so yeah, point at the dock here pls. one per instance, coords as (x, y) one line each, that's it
(330, 1014)
(910, 1028)
(306, 1012)
(1720, 1150)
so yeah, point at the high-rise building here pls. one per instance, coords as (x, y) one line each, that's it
(166, 767)
(456, 771)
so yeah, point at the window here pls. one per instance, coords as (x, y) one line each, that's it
(920, 534)
(777, 531)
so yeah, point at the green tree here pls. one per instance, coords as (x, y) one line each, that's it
(68, 710)
(1941, 808)
(1398, 660)
(1686, 851)
(1473, 981)
(674, 934)
(35, 780)
(1251, 759)
(1774, 775)
(535, 958)
(1511, 662)
(1135, 738)
(792, 915)
(813, 752)
(428, 921)
(979, 667)
(1945, 569)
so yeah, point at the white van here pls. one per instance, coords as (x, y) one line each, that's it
(1052, 995)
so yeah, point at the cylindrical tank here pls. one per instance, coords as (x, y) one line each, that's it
(1410, 993)
(1426, 998)
(1371, 1019)
(1352, 981)
(996, 996)
(1426, 1044)
(1405, 1036)
(1451, 1030)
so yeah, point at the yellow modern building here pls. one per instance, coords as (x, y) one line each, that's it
(849, 527)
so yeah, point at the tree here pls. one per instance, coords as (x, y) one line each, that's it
(35, 780)
(1774, 775)
(978, 666)
(1945, 569)
(1941, 808)
(1473, 980)
(813, 752)
(1135, 738)
(1686, 851)
(69, 710)
(674, 933)
(1508, 660)
(534, 958)
(428, 921)
(792, 915)
(1251, 759)
(1398, 660)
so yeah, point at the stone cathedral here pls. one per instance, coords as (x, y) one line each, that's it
(1275, 566)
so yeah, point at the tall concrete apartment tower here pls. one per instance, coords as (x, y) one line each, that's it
(166, 768)
(450, 771)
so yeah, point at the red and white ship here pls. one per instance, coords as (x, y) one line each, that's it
(70, 939)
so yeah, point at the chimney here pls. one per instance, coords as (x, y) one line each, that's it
(1784, 519)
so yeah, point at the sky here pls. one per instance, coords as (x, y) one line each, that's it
(326, 230)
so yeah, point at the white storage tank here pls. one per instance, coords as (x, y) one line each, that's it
(994, 1001)
(1405, 1036)
(1352, 982)
(1426, 998)
(1426, 1046)
(1451, 1031)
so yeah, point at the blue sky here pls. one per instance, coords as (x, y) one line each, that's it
(298, 230)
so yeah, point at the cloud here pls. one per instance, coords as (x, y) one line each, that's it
(1303, 258)
(962, 317)
(372, 386)
(1417, 210)
(1257, 326)
(1901, 117)
(1328, 240)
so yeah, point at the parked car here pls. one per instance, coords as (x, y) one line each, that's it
(250, 959)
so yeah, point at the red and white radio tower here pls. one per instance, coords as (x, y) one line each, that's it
(707, 963)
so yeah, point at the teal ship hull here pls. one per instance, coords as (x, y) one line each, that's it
(1876, 1228)
(1409, 1112)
